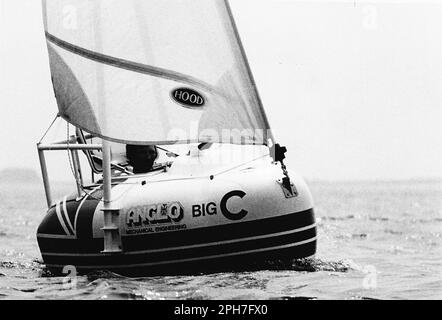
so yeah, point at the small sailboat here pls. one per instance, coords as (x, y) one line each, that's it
(137, 78)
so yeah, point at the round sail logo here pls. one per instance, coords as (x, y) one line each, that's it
(188, 98)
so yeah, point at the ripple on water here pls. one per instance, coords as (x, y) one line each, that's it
(331, 218)
(352, 236)
(295, 298)
(395, 240)
(394, 232)
(378, 219)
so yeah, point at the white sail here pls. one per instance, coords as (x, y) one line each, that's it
(153, 71)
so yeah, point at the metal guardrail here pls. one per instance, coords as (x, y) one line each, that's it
(63, 145)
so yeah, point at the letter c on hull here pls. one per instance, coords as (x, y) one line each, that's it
(231, 215)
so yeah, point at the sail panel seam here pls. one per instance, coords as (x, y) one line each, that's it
(129, 65)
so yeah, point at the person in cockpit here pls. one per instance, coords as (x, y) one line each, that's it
(141, 158)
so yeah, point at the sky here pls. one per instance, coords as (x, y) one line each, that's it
(352, 88)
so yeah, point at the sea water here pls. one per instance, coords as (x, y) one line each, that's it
(376, 240)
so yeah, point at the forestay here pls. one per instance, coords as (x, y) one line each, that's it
(153, 71)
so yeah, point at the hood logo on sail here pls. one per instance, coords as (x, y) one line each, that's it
(188, 98)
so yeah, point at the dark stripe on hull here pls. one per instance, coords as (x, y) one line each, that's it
(273, 258)
(185, 253)
(82, 223)
(51, 224)
(80, 246)
(71, 208)
(220, 232)
(85, 220)
(186, 237)
(65, 217)
(221, 247)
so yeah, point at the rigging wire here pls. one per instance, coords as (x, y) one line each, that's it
(77, 180)
(49, 128)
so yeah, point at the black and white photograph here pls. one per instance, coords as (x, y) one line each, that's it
(239, 151)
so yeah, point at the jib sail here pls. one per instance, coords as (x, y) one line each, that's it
(153, 71)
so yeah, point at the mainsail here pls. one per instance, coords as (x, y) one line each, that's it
(153, 71)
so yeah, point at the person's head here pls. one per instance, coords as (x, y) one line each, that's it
(141, 158)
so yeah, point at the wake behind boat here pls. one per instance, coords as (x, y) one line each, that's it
(135, 77)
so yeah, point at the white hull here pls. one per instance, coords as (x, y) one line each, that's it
(205, 209)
